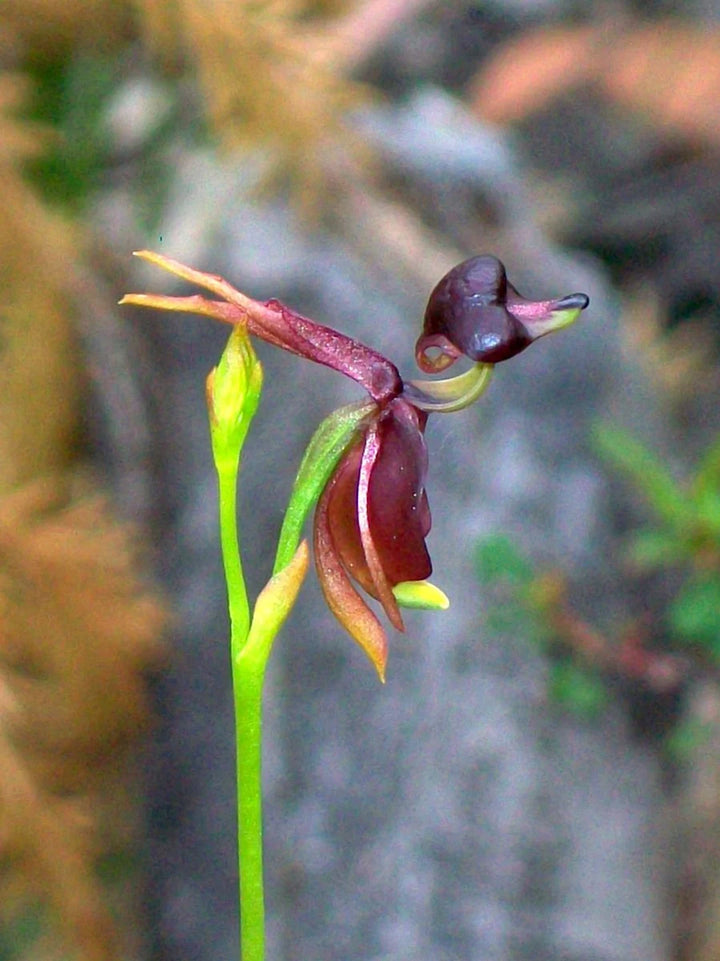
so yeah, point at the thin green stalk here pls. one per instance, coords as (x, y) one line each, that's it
(227, 471)
(247, 675)
(233, 392)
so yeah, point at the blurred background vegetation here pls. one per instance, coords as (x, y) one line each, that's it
(616, 108)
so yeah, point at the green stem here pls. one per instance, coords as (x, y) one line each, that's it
(227, 471)
(248, 669)
(233, 392)
(248, 675)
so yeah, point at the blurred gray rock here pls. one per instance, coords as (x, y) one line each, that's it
(452, 814)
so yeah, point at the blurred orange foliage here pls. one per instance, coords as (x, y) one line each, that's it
(667, 71)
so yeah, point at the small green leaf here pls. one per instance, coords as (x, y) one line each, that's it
(652, 548)
(649, 474)
(706, 501)
(498, 559)
(580, 691)
(511, 619)
(20, 933)
(708, 473)
(694, 615)
(687, 737)
(326, 447)
(73, 94)
(117, 865)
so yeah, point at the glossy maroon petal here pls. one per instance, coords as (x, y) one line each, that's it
(382, 588)
(398, 513)
(342, 509)
(343, 600)
(377, 509)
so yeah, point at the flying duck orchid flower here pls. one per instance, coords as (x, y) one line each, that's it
(365, 468)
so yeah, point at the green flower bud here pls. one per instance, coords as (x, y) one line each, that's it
(233, 393)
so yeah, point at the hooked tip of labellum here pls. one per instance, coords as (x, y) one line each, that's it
(572, 302)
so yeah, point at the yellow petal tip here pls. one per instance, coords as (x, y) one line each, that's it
(421, 595)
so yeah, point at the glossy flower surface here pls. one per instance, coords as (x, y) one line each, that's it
(371, 523)
(475, 311)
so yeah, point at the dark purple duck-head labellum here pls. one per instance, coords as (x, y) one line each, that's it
(474, 311)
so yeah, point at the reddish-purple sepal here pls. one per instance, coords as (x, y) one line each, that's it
(279, 325)
(341, 597)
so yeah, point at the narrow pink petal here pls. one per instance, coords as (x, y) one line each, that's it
(341, 597)
(379, 579)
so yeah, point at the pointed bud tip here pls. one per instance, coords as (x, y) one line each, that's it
(233, 393)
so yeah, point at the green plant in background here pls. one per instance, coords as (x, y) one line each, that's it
(363, 473)
(70, 101)
(524, 603)
(682, 537)
(685, 534)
